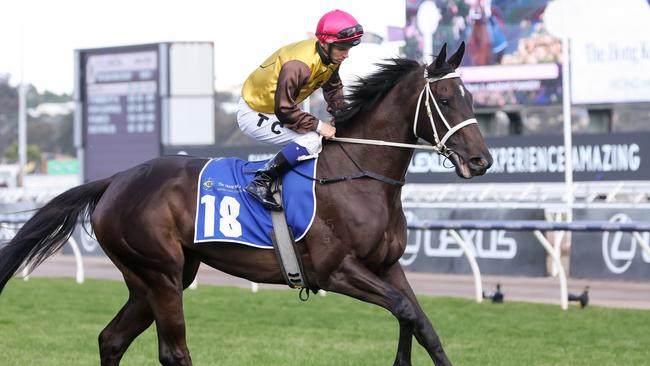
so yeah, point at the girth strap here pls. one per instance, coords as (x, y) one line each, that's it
(284, 244)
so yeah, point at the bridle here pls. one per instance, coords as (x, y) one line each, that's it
(440, 146)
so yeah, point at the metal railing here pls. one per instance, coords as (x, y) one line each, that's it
(630, 193)
(537, 227)
(9, 228)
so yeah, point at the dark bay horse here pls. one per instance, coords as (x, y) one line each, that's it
(144, 217)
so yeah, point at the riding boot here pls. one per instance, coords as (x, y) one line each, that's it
(260, 186)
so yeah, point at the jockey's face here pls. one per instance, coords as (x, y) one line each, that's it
(336, 52)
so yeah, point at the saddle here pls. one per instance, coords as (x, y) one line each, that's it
(225, 212)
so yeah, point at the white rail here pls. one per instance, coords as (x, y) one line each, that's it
(79, 273)
(537, 227)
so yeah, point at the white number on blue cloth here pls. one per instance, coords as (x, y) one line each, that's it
(228, 210)
(208, 217)
(228, 224)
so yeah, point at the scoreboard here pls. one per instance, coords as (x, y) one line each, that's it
(121, 108)
(132, 100)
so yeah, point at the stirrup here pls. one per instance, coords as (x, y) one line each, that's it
(273, 206)
(265, 198)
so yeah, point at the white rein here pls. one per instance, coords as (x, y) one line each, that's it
(440, 146)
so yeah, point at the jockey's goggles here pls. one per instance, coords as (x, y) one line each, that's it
(346, 33)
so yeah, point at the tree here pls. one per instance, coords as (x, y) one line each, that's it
(8, 114)
(34, 98)
(49, 133)
(33, 153)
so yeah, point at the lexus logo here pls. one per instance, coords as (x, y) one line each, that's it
(617, 253)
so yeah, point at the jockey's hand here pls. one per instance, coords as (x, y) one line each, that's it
(327, 130)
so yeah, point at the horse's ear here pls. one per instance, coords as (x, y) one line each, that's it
(457, 57)
(442, 57)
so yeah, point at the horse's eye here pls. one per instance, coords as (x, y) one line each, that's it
(444, 101)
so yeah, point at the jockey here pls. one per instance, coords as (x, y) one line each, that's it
(268, 109)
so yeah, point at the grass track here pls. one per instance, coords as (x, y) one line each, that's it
(56, 322)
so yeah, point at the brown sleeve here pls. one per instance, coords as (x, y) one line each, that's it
(333, 93)
(293, 76)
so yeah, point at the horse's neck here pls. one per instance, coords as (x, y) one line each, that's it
(383, 123)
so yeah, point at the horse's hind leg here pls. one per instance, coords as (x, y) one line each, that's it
(134, 317)
(166, 300)
(353, 279)
(167, 305)
(163, 303)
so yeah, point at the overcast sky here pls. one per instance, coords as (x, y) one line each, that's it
(46, 32)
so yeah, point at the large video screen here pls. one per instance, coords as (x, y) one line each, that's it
(121, 108)
(510, 59)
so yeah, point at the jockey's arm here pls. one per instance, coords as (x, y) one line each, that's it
(293, 76)
(333, 93)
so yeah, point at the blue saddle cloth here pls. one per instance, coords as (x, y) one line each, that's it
(226, 212)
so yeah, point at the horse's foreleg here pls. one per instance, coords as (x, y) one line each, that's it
(353, 279)
(423, 330)
(405, 344)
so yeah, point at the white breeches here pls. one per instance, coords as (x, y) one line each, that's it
(265, 127)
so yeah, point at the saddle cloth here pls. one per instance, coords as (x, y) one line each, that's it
(226, 212)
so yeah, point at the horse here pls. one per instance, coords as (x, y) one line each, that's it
(479, 41)
(143, 217)
(486, 42)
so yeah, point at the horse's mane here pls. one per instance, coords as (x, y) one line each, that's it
(367, 91)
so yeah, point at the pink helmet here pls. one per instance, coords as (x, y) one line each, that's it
(338, 26)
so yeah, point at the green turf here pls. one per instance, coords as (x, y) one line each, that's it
(56, 322)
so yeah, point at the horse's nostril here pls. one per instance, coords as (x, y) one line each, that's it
(478, 162)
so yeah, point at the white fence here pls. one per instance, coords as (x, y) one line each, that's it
(537, 227)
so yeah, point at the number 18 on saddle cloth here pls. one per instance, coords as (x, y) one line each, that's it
(226, 212)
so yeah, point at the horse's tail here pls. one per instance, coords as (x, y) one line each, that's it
(49, 229)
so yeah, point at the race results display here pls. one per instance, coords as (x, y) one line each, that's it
(122, 112)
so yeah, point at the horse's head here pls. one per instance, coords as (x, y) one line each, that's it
(450, 124)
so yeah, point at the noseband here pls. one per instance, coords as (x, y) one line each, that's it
(440, 146)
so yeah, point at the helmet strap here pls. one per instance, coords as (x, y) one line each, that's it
(325, 56)
(329, 52)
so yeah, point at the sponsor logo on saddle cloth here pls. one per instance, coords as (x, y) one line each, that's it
(226, 212)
